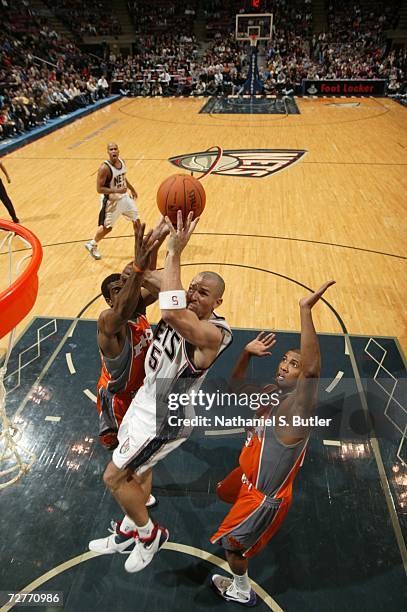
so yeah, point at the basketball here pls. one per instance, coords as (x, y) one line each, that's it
(181, 192)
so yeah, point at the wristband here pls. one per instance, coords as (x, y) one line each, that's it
(137, 269)
(172, 300)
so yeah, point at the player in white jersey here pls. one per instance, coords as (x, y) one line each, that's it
(187, 341)
(112, 185)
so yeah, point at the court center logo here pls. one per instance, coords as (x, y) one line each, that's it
(249, 163)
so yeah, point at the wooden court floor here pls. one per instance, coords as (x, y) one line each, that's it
(339, 213)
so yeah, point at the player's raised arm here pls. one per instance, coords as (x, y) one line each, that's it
(151, 283)
(307, 385)
(173, 300)
(125, 295)
(258, 347)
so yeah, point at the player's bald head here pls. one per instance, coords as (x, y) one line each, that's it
(112, 145)
(215, 280)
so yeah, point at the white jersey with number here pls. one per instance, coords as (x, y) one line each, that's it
(170, 358)
(118, 175)
(146, 436)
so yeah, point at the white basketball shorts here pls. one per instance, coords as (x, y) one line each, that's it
(140, 448)
(111, 210)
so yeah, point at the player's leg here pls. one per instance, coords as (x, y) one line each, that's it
(7, 202)
(146, 485)
(107, 218)
(111, 409)
(101, 232)
(238, 587)
(139, 450)
(238, 532)
(129, 492)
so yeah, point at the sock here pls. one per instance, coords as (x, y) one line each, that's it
(93, 242)
(242, 583)
(146, 530)
(127, 525)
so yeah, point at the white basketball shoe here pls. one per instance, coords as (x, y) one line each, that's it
(145, 549)
(226, 588)
(92, 248)
(117, 542)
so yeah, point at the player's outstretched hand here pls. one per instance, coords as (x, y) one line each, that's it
(161, 229)
(179, 237)
(311, 300)
(143, 245)
(261, 345)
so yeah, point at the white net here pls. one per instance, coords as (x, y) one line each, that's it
(15, 458)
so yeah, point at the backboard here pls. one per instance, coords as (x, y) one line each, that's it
(249, 24)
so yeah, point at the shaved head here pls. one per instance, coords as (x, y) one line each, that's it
(216, 280)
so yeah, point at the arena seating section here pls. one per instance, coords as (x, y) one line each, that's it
(44, 75)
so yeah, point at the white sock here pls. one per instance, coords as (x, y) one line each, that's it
(127, 525)
(93, 242)
(242, 583)
(146, 530)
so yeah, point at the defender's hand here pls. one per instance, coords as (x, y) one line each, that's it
(161, 229)
(261, 345)
(143, 245)
(311, 300)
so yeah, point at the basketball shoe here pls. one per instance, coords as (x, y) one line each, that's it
(117, 542)
(226, 588)
(92, 248)
(145, 549)
(152, 502)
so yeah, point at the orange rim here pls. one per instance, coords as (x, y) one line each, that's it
(17, 300)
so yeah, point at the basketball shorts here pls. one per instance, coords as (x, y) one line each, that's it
(253, 519)
(139, 446)
(111, 408)
(110, 210)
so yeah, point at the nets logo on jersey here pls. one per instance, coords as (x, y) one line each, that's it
(125, 447)
(249, 163)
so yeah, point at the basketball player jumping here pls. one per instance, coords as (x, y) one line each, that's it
(112, 184)
(187, 341)
(124, 336)
(261, 487)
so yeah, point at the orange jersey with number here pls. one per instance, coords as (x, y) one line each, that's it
(260, 490)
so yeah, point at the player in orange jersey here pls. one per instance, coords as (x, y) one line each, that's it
(261, 487)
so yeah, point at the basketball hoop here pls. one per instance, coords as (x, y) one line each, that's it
(253, 39)
(16, 302)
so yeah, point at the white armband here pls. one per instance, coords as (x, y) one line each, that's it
(172, 300)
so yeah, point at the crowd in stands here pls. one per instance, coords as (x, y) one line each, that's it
(90, 18)
(43, 75)
(354, 46)
(163, 16)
